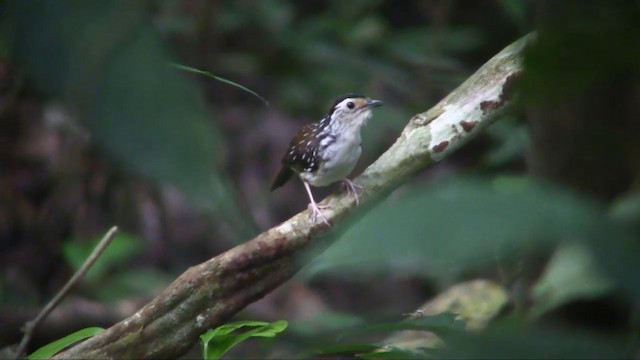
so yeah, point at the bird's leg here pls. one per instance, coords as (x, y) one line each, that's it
(314, 206)
(352, 189)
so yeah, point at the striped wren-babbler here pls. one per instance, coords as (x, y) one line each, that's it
(326, 151)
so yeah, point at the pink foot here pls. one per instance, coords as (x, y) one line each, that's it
(316, 211)
(352, 189)
(315, 208)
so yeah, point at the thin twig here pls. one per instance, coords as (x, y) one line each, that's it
(30, 326)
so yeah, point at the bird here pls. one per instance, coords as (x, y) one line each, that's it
(326, 151)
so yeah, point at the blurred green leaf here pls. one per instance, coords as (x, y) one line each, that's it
(512, 142)
(511, 184)
(458, 224)
(421, 45)
(342, 340)
(627, 207)
(366, 32)
(105, 60)
(129, 283)
(218, 341)
(574, 55)
(51, 349)
(435, 323)
(325, 322)
(120, 250)
(274, 15)
(571, 274)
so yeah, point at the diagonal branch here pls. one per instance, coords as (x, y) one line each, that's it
(210, 293)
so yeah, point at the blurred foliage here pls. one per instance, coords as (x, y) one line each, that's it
(572, 273)
(109, 62)
(518, 11)
(515, 340)
(111, 66)
(345, 343)
(511, 139)
(121, 249)
(127, 282)
(218, 341)
(325, 323)
(457, 225)
(322, 49)
(595, 45)
(109, 279)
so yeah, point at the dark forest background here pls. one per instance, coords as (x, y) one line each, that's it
(98, 128)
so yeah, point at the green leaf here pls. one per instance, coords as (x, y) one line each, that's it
(626, 207)
(436, 323)
(51, 349)
(571, 274)
(345, 339)
(512, 141)
(458, 224)
(218, 341)
(120, 250)
(223, 80)
(325, 322)
(129, 283)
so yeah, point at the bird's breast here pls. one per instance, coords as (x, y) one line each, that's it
(338, 160)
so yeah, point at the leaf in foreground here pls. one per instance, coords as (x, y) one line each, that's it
(461, 223)
(51, 349)
(571, 274)
(218, 341)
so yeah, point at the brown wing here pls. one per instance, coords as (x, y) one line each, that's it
(302, 154)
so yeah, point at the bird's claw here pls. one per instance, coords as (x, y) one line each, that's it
(316, 211)
(352, 189)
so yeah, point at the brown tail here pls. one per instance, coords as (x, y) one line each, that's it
(283, 176)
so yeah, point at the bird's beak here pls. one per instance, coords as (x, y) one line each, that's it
(373, 103)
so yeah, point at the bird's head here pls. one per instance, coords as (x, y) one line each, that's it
(352, 111)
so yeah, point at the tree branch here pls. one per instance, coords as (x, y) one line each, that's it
(208, 294)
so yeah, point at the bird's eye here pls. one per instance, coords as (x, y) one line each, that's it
(350, 105)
